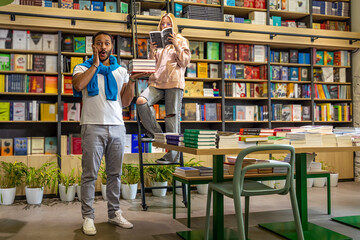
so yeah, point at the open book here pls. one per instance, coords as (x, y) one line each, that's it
(160, 38)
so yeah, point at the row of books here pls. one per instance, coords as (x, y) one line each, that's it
(331, 8)
(261, 4)
(201, 112)
(28, 83)
(330, 74)
(332, 25)
(26, 40)
(290, 5)
(277, 21)
(323, 91)
(28, 111)
(234, 19)
(290, 112)
(290, 90)
(28, 62)
(240, 89)
(22, 146)
(289, 73)
(246, 113)
(71, 111)
(333, 112)
(242, 71)
(337, 58)
(245, 52)
(227, 140)
(290, 56)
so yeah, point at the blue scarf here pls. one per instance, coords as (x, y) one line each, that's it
(111, 88)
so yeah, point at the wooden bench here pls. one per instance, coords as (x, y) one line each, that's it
(258, 177)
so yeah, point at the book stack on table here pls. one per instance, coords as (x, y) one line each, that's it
(205, 171)
(142, 65)
(200, 138)
(187, 171)
(175, 139)
(228, 140)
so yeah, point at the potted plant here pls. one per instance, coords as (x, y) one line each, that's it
(67, 186)
(103, 176)
(129, 180)
(78, 185)
(320, 182)
(12, 176)
(159, 176)
(334, 176)
(38, 178)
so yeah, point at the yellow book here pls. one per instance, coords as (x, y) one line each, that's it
(329, 115)
(290, 90)
(202, 70)
(340, 113)
(345, 113)
(321, 91)
(316, 26)
(51, 84)
(48, 111)
(75, 61)
(2, 83)
(248, 90)
(194, 89)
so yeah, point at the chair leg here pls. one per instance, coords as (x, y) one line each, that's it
(208, 205)
(239, 218)
(328, 194)
(295, 209)
(247, 209)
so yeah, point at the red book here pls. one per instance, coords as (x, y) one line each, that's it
(256, 72)
(244, 52)
(76, 145)
(260, 4)
(248, 72)
(249, 3)
(229, 51)
(36, 84)
(65, 117)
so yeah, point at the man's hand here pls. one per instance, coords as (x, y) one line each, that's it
(96, 59)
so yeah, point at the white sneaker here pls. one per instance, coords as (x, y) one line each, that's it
(88, 227)
(120, 221)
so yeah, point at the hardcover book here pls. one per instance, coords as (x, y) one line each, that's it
(191, 70)
(97, 6)
(202, 70)
(50, 42)
(51, 63)
(124, 8)
(85, 5)
(5, 62)
(19, 111)
(88, 42)
(20, 146)
(196, 49)
(36, 41)
(160, 38)
(36, 84)
(37, 145)
(51, 84)
(79, 44)
(7, 147)
(142, 48)
(212, 50)
(20, 62)
(5, 39)
(125, 46)
(67, 43)
(4, 111)
(19, 39)
(50, 145)
(110, 7)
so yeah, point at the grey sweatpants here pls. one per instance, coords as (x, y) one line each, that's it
(97, 141)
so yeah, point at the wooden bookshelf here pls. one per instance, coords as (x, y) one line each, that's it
(246, 80)
(289, 81)
(333, 66)
(247, 98)
(322, 17)
(202, 79)
(246, 62)
(333, 83)
(332, 100)
(287, 15)
(28, 72)
(241, 11)
(27, 94)
(206, 60)
(290, 99)
(2, 50)
(290, 64)
(198, 4)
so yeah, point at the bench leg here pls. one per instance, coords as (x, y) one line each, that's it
(174, 199)
(189, 206)
(328, 194)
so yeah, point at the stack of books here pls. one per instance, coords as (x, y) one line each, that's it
(175, 139)
(227, 140)
(205, 171)
(161, 137)
(229, 166)
(200, 138)
(142, 65)
(202, 13)
(187, 171)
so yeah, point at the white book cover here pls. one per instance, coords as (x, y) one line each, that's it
(74, 111)
(342, 75)
(51, 63)
(19, 111)
(259, 53)
(19, 40)
(250, 113)
(214, 70)
(50, 42)
(88, 45)
(37, 145)
(296, 112)
(128, 143)
(328, 74)
(240, 90)
(36, 41)
(302, 6)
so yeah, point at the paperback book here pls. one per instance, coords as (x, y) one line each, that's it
(160, 38)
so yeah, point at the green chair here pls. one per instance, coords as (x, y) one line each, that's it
(240, 187)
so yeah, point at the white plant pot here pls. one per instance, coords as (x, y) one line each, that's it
(159, 192)
(334, 178)
(7, 196)
(103, 191)
(280, 184)
(202, 189)
(68, 196)
(34, 195)
(319, 182)
(179, 190)
(310, 182)
(128, 191)
(78, 192)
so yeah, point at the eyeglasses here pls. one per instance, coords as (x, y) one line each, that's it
(166, 24)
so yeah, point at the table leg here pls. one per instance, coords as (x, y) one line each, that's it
(218, 199)
(301, 188)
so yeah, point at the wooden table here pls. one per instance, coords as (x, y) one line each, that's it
(284, 229)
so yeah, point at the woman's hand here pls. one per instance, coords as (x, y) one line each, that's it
(172, 39)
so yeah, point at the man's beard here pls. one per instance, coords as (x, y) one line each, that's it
(107, 56)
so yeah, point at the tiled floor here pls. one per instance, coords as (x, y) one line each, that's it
(60, 220)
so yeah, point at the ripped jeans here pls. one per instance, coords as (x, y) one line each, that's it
(173, 99)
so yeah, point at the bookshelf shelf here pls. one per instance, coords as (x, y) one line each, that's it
(241, 11)
(67, 95)
(12, 121)
(333, 121)
(333, 83)
(319, 66)
(26, 51)
(146, 4)
(28, 72)
(66, 74)
(219, 121)
(245, 80)
(206, 60)
(288, 15)
(229, 121)
(202, 79)
(246, 62)
(198, 4)
(303, 121)
(67, 121)
(202, 97)
(332, 100)
(290, 64)
(322, 17)
(28, 94)
(289, 81)
(291, 99)
(247, 98)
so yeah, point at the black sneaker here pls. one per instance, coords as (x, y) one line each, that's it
(163, 161)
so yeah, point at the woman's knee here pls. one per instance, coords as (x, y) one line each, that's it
(141, 100)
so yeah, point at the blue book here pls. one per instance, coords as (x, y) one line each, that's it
(20, 146)
(134, 144)
(110, 7)
(284, 73)
(50, 145)
(85, 5)
(178, 10)
(230, 3)
(307, 58)
(276, 21)
(97, 6)
(294, 74)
